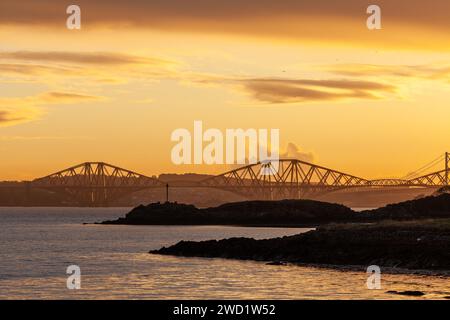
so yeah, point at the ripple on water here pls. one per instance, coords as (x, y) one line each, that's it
(37, 244)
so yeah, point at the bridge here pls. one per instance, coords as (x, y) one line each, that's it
(99, 183)
(95, 183)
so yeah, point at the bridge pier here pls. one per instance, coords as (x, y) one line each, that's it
(27, 194)
(167, 192)
(447, 159)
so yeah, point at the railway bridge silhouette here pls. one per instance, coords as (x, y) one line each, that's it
(99, 183)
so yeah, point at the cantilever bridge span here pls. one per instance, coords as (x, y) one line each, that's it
(296, 179)
(99, 183)
(95, 183)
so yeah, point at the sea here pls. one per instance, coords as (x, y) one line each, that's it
(38, 246)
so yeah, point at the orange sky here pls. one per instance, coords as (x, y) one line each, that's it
(370, 103)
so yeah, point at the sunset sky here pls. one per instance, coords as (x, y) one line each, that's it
(370, 103)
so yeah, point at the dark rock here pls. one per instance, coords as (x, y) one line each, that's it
(410, 239)
(283, 213)
(423, 208)
(384, 244)
(442, 190)
(407, 293)
(250, 213)
(160, 213)
(276, 263)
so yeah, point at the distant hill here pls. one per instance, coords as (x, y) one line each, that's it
(189, 177)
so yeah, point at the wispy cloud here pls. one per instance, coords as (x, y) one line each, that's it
(65, 97)
(83, 58)
(10, 116)
(344, 84)
(299, 90)
(19, 110)
(33, 69)
(294, 152)
(100, 67)
(306, 90)
(40, 138)
(411, 23)
(430, 71)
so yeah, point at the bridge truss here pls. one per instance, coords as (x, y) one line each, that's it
(283, 179)
(99, 183)
(95, 183)
(299, 179)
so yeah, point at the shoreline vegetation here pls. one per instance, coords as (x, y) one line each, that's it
(411, 235)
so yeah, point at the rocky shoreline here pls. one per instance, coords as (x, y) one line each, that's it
(411, 235)
(423, 245)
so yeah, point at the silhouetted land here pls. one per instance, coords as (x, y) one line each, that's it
(409, 235)
(284, 213)
(423, 245)
(249, 213)
(437, 206)
(17, 194)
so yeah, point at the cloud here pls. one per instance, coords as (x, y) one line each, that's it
(405, 23)
(294, 152)
(32, 69)
(431, 71)
(284, 90)
(178, 12)
(291, 90)
(64, 97)
(12, 116)
(19, 110)
(83, 58)
(305, 90)
(266, 90)
(8, 116)
(100, 67)
(40, 64)
(39, 138)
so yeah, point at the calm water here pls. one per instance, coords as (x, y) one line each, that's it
(37, 245)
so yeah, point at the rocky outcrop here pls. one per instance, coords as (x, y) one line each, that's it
(407, 293)
(160, 214)
(283, 213)
(429, 207)
(249, 213)
(400, 245)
